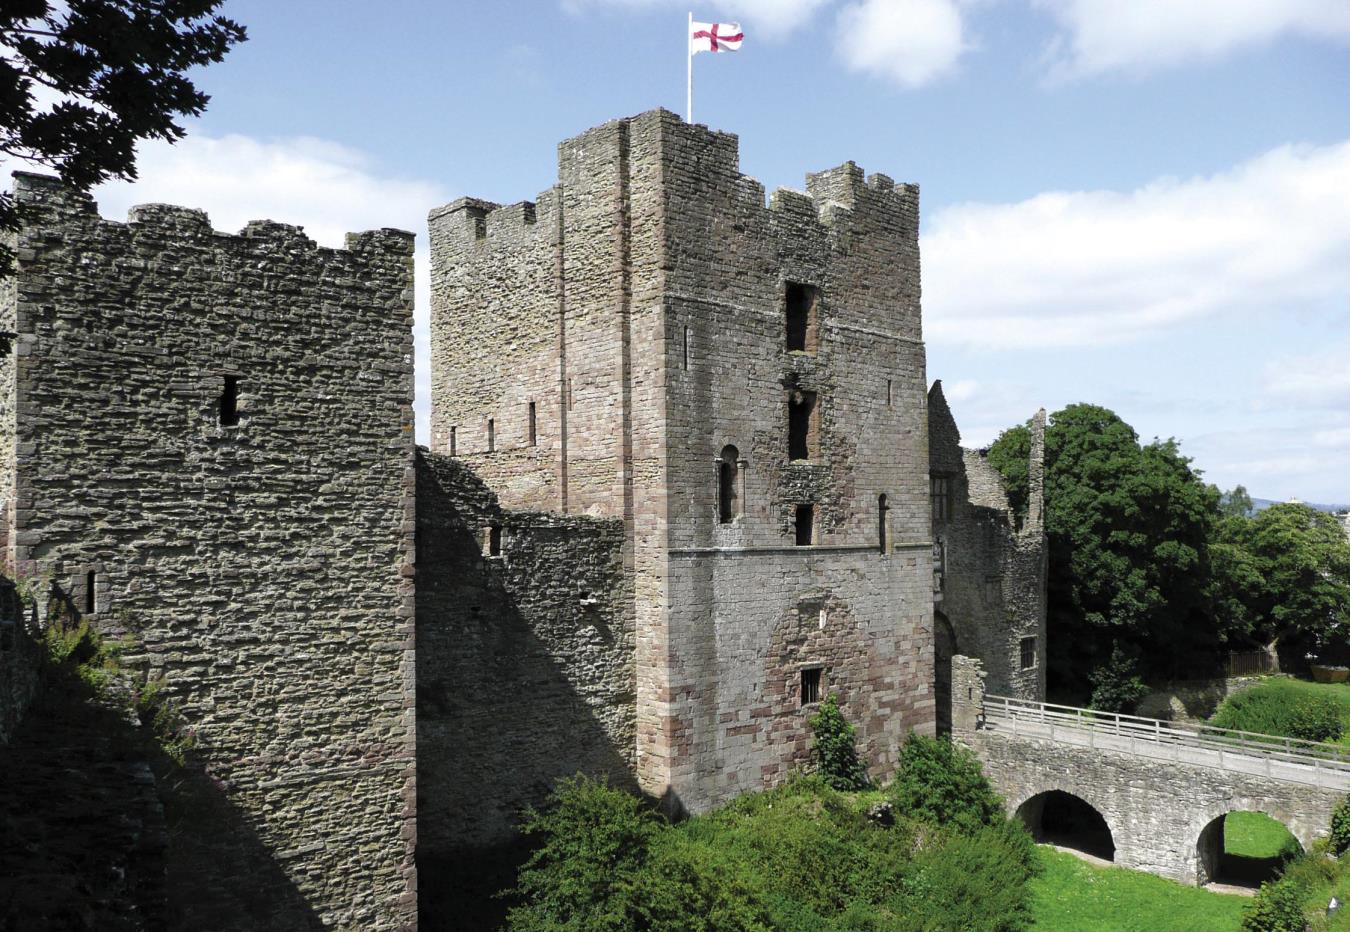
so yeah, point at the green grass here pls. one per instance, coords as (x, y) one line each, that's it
(1074, 896)
(1267, 707)
(1256, 835)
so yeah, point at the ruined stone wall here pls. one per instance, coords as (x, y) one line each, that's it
(524, 660)
(264, 567)
(991, 584)
(748, 610)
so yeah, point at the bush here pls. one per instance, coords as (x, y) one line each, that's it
(1116, 685)
(1340, 828)
(593, 842)
(834, 754)
(942, 783)
(1278, 907)
(1316, 718)
(971, 882)
(1287, 708)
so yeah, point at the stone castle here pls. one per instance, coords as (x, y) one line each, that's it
(686, 477)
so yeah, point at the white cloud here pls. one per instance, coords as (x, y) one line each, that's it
(327, 188)
(1138, 36)
(1320, 379)
(910, 42)
(771, 19)
(1098, 267)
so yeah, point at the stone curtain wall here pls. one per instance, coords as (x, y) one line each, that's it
(263, 568)
(993, 580)
(1164, 817)
(525, 660)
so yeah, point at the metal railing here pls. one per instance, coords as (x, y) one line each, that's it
(1271, 756)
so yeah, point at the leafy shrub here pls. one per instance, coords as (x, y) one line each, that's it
(594, 840)
(971, 882)
(1316, 718)
(1116, 684)
(942, 784)
(695, 887)
(833, 752)
(1340, 828)
(1287, 708)
(1278, 907)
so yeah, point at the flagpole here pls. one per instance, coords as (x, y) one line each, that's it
(689, 50)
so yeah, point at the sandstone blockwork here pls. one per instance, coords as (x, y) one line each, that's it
(208, 446)
(990, 568)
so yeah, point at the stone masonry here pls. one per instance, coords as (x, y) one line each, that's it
(1164, 817)
(648, 342)
(206, 442)
(989, 589)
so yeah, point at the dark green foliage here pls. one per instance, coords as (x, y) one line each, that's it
(834, 751)
(1317, 718)
(803, 858)
(1237, 503)
(121, 69)
(594, 842)
(1289, 569)
(1287, 708)
(941, 783)
(1278, 907)
(1340, 828)
(971, 882)
(1116, 685)
(1128, 527)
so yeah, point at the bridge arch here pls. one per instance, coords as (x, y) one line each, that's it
(1210, 862)
(1066, 818)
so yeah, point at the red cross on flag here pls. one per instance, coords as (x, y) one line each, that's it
(714, 37)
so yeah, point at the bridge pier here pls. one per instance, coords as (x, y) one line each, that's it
(1164, 816)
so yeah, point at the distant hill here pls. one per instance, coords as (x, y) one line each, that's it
(1259, 503)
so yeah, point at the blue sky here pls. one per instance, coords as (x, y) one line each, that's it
(1141, 204)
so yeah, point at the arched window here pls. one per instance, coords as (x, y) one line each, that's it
(883, 539)
(728, 485)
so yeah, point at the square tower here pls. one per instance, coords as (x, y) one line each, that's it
(744, 387)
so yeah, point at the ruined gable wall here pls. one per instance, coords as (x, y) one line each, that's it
(264, 569)
(525, 667)
(992, 586)
(744, 604)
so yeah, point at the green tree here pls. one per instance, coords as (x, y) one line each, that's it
(942, 783)
(834, 752)
(1236, 504)
(1128, 527)
(1289, 570)
(83, 81)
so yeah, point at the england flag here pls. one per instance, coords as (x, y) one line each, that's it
(714, 37)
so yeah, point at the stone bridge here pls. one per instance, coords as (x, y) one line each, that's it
(1147, 794)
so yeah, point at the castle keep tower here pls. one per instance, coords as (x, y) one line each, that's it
(741, 391)
(206, 442)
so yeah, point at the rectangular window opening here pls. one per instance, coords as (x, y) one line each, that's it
(811, 685)
(534, 425)
(1028, 652)
(454, 440)
(492, 436)
(493, 541)
(802, 318)
(90, 593)
(805, 525)
(802, 425)
(229, 402)
(942, 499)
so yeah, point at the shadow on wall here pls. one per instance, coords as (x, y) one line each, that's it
(103, 830)
(524, 674)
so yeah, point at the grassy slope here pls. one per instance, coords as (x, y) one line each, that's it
(1254, 835)
(1275, 696)
(1070, 895)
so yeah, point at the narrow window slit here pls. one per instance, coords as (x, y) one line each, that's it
(454, 440)
(229, 402)
(728, 491)
(802, 425)
(90, 592)
(492, 436)
(534, 425)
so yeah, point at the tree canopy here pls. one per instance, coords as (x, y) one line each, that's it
(1153, 573)
(83, 81)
